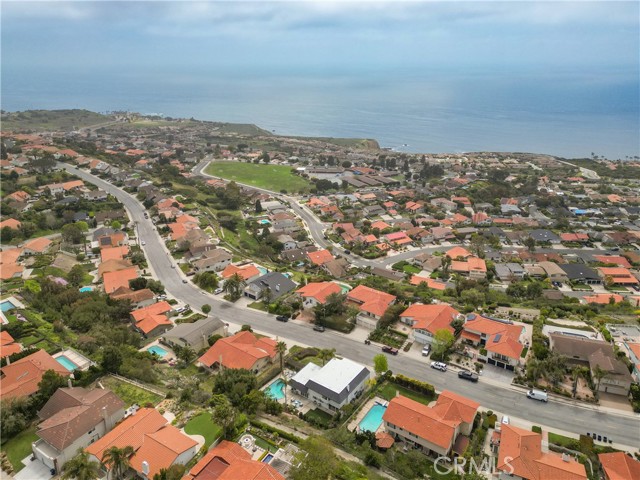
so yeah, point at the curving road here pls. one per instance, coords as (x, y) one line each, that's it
(557, 414)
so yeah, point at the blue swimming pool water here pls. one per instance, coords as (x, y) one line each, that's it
(267, 458)
(66, 363)
(264, 221)
(276, 389)
(161, 352)
(263, 270)
(6, 305)
(373, 419)
(86, 289)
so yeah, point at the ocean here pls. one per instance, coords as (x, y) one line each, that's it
(560, 113)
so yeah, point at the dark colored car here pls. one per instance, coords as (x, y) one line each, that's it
(467, 375)
(282, 318)
(318, 328)
(391, 350)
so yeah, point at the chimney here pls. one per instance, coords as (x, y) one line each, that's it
(145, 468)
(566, 458)
(9, 360)
(105, 417)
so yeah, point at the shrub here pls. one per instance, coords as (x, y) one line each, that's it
(536, 429)
(416, 385)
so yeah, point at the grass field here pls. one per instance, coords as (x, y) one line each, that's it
(388, 392)
(270, 177)
(51, 119)
(19, 447)
(130, 394)
(203, 425)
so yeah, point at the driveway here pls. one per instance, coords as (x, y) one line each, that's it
(33, 470)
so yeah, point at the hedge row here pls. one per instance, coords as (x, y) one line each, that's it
(281, 433)
(415, 385)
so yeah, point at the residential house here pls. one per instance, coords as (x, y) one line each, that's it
(431, 429)
(337, 268)
(138, 298)
(332, 386)
(426, 320)
(275, 283)
(287, 242)
(544, 236)
(619, 466)
(11, 223)
(242, 350)
(579, 273)
(316, 293)
(473, 267)
(554, 272)
(229, 461)
(617, 276)
(596, 354)
(499, 340)
(8, 346)
(196, 334)
(521, 456)
(21, 378)
(247, 272)
(371, 302)
(508, 272)
(458, 253)
(114, 253)
(215, 260)
(36, 246)
(574, 237)
(74, 418)
(114, 280)
(152, 320)
(617, 260)
(156, 444)
(320, 257)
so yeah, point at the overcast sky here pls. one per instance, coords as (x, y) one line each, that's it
(305, 37)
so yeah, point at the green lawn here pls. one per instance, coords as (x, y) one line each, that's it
(130, 394)
(271, 177)
(563, 441)
(203, 425)
(388, 392)
(19, 447)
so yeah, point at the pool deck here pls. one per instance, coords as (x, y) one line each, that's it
(169, 357)
(303, 404)
(81, 361)
(354, 424)
(14, 301)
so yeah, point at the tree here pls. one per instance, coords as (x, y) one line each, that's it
(478, 245)
(326, 354)
(75, 275)
(316, 460)
(72, 234)
(530, 243)
(281, 348)
(442, 341)
(258, 206)
(186, 354)
(80, 468)
(51, 381)
(380, 364)
(155, 286)
(234, 285)
(111, 359)
(117, 460)
(174, 472)
(206, 308)
(206, 280)
(116, 225)
(472, 297)
(224, 415)
(446, 265)
(598, 373)
(138, 283)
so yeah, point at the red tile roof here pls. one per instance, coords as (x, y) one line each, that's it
(242, 350)
(521, 454)
(431, 283)
(371, 300)
(8, 345)
(22, 377)
(617, 259)
(456, 252)
(229, 461)
(619, 275)
(114, 280)
(501, 338)
(246, 272)
(320, 257)
(431, 317)
(319, 290)
(619, 466)
(114, 253)
(603, 298)
(38, 245)
(11, 223)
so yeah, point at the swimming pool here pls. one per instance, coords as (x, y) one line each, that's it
(86, 289)
(373, 419)
(158, 350)
(263, 270)
(267, 458)
(276, 389)
(7, 305)
(264, 221)
(66, 363)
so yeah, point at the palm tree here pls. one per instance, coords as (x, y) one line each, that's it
(598, 373)
(446, 264)
(281, 348)
(80, 468)
(117, 460)
(326, 354)
(234, 285)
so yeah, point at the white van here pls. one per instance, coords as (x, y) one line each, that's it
(538, 395)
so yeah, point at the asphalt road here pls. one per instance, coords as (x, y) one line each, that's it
(559, 414)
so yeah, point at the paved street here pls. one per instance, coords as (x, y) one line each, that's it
(560, 414)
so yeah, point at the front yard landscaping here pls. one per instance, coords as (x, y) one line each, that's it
(19, 447)
(203, 425)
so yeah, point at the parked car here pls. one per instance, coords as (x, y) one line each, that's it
(426, 350)
(318, 328)
(439, 366)
(347, 252)
(282, 318)
(538, 395)
(143, 243)
(391, 350)
(218, 291)
(184, 280)
(468, 375)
